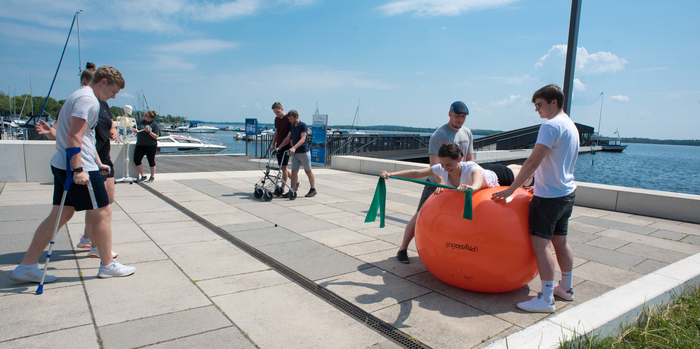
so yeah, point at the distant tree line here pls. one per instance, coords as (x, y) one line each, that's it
(409, 129)
(15, 108)
(693, 142)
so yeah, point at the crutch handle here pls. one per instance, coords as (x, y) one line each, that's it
(70, 152)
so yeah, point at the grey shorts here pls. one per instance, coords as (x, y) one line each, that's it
(550, 216)
(299, 159)
(427, 191)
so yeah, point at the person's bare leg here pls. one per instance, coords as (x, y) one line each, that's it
(109, 185)
(140, 168)
(43, 234)
(565, 255)
(312, 179)
(285, 175)
(546, 263)
(101, 228)
(409, 232)
(153, 171)
(294, 177)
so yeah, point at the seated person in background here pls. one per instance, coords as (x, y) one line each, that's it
(454, 172)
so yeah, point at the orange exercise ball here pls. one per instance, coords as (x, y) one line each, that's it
(490, 253)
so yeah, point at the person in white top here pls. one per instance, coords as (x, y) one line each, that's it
(552, 161)
(76, 124)
(453, 171)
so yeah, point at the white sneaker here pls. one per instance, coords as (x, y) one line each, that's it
(565, 295)
(537, 305)
(115, 269)
(31, 274)
(84, 243)
(94, 253)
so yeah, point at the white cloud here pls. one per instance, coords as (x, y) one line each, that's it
(595, 63)
(513, 99)
(244, 106)
(431, 8)
(202, 46)
(515, 80)
(161, 16)
(649, 69)
(578, 85)
(257, 105)
(125, 95)
(619, 99)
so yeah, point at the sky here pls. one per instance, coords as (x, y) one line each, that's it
(402, 61)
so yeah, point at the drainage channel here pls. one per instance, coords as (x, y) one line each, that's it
(387, 330)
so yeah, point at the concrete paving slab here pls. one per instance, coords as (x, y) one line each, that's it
(226, 219)
(669, 235)
(334, 215)
(15, 212)
(576, 225)
(164, 327)
(627, 218)
(318, 261)
(695, 240)
(651, 241)
(500, 305)
(460, 326)
(161, 288)
(316, 324)
(337, 237)
(300, 223)
(653, 253)
(315, 209)
(143, 205)
(80, 337)
(351, 206)
(212, 259)
(605, 274)
(372, 289)
(386, 260)
(178, 233)
(607, 243)
(366, 247)
(56, 309)
(601, 222)
(373, 229)
(160, 217)
(243, 282)
(211, 206)
(648, 266)
(605, 256)
(247, 226)
(267, 236)
(229, 337)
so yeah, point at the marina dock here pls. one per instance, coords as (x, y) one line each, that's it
(217, 267)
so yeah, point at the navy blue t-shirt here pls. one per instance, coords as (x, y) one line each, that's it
(296, 135)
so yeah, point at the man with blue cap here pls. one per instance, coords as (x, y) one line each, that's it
(452, 131)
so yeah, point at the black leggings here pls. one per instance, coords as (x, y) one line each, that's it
(149, 151)
(504, 174)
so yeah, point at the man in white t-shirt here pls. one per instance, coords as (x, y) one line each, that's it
(553, 161)
(452, 131)
(76, 129)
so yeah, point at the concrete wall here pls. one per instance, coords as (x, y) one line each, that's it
(653, 203)
(28, 161)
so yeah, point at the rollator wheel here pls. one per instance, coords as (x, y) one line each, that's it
(267, 196)
(258, 193)
(292, 194)
(278, 191)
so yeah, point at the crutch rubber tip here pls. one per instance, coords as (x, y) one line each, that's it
(40, 290)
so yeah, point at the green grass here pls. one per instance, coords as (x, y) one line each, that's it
(674, 326)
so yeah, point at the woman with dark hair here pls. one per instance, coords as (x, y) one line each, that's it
(146, 143)
(454, 172)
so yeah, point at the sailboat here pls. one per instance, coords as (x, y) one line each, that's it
(355, 130)
(610, 144)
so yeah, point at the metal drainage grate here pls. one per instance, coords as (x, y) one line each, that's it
(369, 320)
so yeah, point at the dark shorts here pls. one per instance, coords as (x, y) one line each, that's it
(81, 197)
(427, 191)
(282, 158)
(504, 174)
(149, 151)
(550, 216)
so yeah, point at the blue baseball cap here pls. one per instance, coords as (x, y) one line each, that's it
(459, 108)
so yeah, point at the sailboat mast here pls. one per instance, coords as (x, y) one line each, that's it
(602, 97)
(80, 59)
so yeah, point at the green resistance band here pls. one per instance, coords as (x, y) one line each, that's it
(379, 200)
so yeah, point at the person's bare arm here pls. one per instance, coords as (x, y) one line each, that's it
(528, 169)
(424, 172)
(78, 127)
(43, 128)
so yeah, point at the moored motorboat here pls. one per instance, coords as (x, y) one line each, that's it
(174, 145)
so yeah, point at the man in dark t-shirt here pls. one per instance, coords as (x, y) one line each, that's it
(281, 131)
(299, 151)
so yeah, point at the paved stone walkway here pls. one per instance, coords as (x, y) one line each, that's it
(194, 289)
